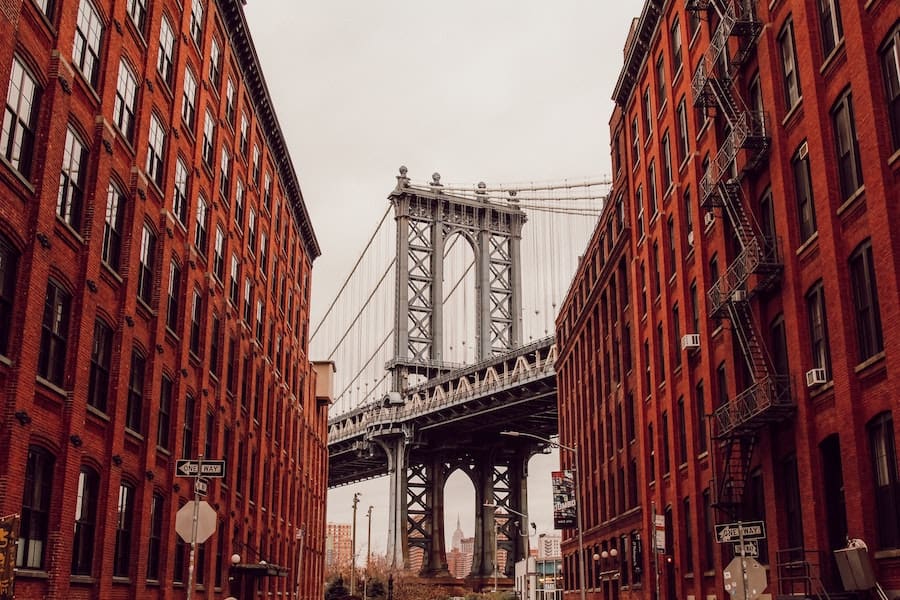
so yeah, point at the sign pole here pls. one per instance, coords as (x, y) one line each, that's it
(190, 589)
(743, 561)
(655, 552)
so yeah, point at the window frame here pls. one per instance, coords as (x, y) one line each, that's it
(787, 46)
(23, 97)
(54, 334)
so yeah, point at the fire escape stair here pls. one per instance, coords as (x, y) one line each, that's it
(737, 455)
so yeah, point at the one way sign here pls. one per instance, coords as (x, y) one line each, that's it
(192, 468)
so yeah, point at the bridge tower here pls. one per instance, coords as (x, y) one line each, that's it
(426, 217)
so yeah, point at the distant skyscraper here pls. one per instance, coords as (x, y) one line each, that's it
(457, 536)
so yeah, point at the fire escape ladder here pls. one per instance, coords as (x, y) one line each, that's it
(737, 456)
(758, 361)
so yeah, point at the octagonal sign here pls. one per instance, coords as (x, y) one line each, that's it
(734, 579)
(206, 521)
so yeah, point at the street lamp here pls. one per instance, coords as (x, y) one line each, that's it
(574, 451)
(522, 532)
(356, 496)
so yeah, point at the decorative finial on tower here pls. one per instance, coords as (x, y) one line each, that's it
(435, 180)
(482, 189)
(512, 195)
(402, 179)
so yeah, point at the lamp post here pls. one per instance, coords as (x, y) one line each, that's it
(368, 552)
(522, 532)
(356, 496)
(574, 451)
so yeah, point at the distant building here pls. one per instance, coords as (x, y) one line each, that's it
(548, 546)
(338, 542)
(457, 535)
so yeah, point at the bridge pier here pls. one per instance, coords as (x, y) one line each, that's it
(397, 450)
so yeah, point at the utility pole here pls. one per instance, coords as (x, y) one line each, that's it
(368, 553)
(356, 496)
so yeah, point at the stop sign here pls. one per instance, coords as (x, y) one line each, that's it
(734, 579)
(206, 521)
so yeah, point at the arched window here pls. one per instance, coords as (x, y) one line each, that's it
(35, 508)
(85, 521)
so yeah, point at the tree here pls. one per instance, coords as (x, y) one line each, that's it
(335, 589)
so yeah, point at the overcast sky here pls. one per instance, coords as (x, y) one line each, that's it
(494, 90)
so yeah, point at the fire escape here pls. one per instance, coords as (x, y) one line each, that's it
(757, 267)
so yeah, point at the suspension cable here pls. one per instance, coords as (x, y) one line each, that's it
(362, 309)
(347, 280)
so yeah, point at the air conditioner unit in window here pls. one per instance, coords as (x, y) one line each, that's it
(690, 238)
(709, 218)
(815, 377)
(738, 296)
(690, 341)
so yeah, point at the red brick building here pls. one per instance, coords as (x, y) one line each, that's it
(727, 348)
(155, 256)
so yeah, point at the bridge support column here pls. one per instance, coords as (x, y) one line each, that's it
(397, 453)
(425, 513)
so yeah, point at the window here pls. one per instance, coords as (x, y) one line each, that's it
(260, 320)
(200, 225)
(722, 383)
(124, 523)
(86, 49)
(126, 99)
(251, 230)
(20, 119)
(85, 521)
(660, 81)
(180, 199)
(832, 28)
(147, 265)
(635, 143)
(778, 345)
(164, 419)
(676, 326)
(54, 334)
(135, 409)
(137, 10)
(46, 7)
(225, 175)
(263, 247)
(69, 201)
(179, 569)
(789, 490)
(806, 210)
(219, 254)
(676, 46)
(639, 202)
(155, 537)
(700, 403)
(196, 317)
(215, 64)
(113, 226)
(165, 54)
(245, 134)
(847, 146)
(156, 143)
(189, 99)
(657, 286)
(865, 302)
(187, 433)
(35, 513)
(9, 262)
(230, 102)
(173, 296)
(709, 530)
(239, 207)
(788, 51)
(256, 167)
(667, 162)
(101, 354)
(248, 301)
(651, 189)
(688, 536)
(231, 373)
(233, 291)
(214, 348)
(885, 479)
(890, 66)
(209, 133)
(648, 115)
(682, 131)
(197, 22)
(267, 195)
(818, 332)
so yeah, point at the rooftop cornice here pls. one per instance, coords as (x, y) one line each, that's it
(638, 48)
(232, 13)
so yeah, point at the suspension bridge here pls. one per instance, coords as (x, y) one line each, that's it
(442, 337)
